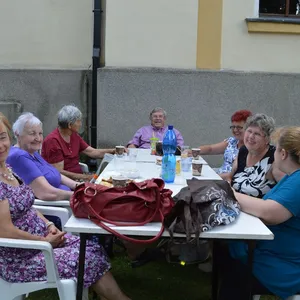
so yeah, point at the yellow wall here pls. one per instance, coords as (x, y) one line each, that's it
(46, 33)
(156, 33)
(209, 34)
(267, 52)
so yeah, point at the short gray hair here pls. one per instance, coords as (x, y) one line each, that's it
(27, 117)
(157, 109)
(68, 114)
(264, 122)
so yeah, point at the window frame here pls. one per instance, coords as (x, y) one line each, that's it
(285, 15)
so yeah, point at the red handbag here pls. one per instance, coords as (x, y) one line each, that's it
(134, 205)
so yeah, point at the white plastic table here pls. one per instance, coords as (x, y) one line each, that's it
(246, 227)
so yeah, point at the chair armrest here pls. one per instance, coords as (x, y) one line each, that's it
(63, 203)
(84, 167)
(45, 247)
(61, 213)
(25, 244)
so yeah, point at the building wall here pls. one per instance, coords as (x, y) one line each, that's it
(198, 103)
(157, 33)
(265, 52)
(44, 92)
(49, 34)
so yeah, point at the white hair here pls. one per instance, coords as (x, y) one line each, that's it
(158, 109)
(68, 114)
(25, 118)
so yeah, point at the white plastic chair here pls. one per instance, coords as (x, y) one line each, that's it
(66, 287)
(107, 158)
(57, 203)
(84, 167)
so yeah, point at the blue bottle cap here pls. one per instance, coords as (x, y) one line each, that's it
(170, 126)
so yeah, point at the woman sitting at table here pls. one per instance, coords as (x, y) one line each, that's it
(19, 220)
(276, 263)
(252, 172)
(62, 147)
(230, 146)
(45, 180)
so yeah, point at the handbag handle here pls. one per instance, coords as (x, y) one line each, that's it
(129, 239)
(97, 219)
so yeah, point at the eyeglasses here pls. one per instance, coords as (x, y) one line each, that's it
(236, 127)
(256, 134)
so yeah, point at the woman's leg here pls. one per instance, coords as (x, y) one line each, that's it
(108, 289)
(234, 277)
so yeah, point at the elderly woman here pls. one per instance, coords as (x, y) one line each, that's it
(230, 146)
(252, 172)
(156, 129)
(276, 263)
(62, 147)
(45, 180)
(19, 220)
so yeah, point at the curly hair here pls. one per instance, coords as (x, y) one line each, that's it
(241, 115)
(264, 122)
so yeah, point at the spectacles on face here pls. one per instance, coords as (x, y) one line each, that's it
(157, 117)
(237, 127)
(255, 134)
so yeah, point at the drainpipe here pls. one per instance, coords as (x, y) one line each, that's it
(96, 64)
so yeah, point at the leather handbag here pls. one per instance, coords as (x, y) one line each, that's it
(134, 205)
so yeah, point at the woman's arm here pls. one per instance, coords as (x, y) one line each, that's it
(270, 211)
(43, 190)
(218, 148)
(75, 176)
(228, 176)
(68, 182)
(8, 230)
(97, 153)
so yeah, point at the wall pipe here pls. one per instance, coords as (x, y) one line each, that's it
(96, 64)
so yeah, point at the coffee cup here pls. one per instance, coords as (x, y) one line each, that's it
(119, 181)
(196, 153)
(197, 168)
(159, 148)
(120, 150)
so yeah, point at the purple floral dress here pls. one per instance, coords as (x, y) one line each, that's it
(22, 265)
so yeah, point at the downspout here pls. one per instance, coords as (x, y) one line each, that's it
(96, 65)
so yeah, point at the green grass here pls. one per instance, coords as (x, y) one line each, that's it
(154, 281)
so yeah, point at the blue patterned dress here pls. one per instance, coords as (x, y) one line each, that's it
(230, 154)
(25, 265)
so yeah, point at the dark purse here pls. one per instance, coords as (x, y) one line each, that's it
(200, 206)
(134, 205)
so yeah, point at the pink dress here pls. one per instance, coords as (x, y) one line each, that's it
(22, 265)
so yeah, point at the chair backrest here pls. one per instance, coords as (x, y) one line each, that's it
(107, 158)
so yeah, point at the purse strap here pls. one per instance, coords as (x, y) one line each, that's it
(97, 219)
(127, 238)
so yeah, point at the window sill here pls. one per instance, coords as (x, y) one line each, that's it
(273, 25)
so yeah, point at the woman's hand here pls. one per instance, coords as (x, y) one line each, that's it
(52, 229)
(57, 239)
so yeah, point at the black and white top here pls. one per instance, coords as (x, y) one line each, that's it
(252, 180)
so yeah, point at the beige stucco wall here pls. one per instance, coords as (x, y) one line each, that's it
(255, 51)
(46, 33)
(156, 33)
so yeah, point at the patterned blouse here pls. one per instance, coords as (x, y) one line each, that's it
(252, 180)
(230, 154)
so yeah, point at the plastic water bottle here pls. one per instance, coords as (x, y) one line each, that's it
(168, 166)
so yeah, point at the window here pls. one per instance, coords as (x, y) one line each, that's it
(280, 8)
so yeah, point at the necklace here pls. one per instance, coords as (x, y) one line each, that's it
(9, 176)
